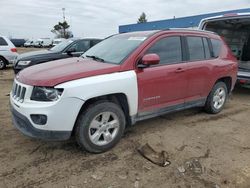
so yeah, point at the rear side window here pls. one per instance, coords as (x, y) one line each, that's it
(206, 48)
(195, 48)
(3, 42)
(216, 45)
(168, 49)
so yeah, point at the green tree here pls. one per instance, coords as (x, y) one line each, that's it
(62, 30)
(142, 18)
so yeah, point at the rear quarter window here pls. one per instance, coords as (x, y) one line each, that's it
(3, 42)
(216, 47)
(206, 48)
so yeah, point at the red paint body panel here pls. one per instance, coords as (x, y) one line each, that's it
(161, 86)
(56, 72)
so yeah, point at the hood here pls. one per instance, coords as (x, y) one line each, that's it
(55, 72)
(35, 54)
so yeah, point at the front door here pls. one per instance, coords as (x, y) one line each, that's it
(165, 84)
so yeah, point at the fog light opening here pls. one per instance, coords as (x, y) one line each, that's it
(39, 119)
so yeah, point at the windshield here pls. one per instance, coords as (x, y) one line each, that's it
(61, 46)
(114, 49)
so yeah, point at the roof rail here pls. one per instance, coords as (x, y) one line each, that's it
(189, 29)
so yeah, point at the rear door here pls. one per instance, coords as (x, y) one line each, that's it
(165, 84)
(198, 67)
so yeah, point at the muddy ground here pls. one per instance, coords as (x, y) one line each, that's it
(219, 145)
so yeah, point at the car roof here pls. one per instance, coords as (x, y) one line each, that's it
(172, 30)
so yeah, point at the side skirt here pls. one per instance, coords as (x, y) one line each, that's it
(158, 112)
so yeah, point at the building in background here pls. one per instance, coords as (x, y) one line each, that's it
(183, 22)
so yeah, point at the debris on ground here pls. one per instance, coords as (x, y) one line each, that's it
(98, 176)
(158, 158)
(123, 177)
(181, 169)
(191, 167)
(136, 185)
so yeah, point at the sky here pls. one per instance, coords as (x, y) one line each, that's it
(97, 18)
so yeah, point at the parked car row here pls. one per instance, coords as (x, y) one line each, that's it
(43, 42)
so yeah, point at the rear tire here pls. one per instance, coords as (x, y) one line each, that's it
(100, 127)
(2, 63)
(217, 98)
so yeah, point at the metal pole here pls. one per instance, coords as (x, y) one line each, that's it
(63, 9)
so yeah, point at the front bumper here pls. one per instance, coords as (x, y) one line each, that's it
(11, 57)
(61, 115)
(23, 124)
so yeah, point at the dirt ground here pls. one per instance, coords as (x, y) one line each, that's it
(219, 145)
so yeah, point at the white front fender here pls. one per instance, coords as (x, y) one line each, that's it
(95, 86)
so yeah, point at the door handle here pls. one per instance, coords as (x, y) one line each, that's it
(179, 70)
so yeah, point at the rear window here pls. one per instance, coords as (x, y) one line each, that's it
(3, 42)
(216, 45)
(195, 47)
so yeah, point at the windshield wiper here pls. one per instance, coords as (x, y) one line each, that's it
(95, 58)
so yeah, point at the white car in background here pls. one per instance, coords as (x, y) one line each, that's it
(8, 52)
(29, 43)
(57, 41)
(43, 42)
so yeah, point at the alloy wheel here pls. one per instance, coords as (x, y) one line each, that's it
(104, 128)
(219, 98)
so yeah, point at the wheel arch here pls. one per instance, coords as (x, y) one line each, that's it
(228, 81)
(6, 61)
(118, 98)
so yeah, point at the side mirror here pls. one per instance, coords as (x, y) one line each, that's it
(71, 50)
(148, 60)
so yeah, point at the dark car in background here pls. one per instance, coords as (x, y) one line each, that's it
(18, 42)
(66, 49)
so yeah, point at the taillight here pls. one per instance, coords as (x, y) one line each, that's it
(13, 49)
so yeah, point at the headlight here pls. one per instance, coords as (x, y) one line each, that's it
(46, 94)
(23, 63)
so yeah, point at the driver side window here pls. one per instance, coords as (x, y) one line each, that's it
(168, 49)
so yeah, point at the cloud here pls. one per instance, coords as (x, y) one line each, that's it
(35, 18)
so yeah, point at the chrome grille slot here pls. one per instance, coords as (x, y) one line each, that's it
(18, 92)
(15, 89)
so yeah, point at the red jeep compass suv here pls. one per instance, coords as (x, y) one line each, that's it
(124, 79)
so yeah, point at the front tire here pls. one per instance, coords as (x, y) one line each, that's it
(100, 127)
(217, 98)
